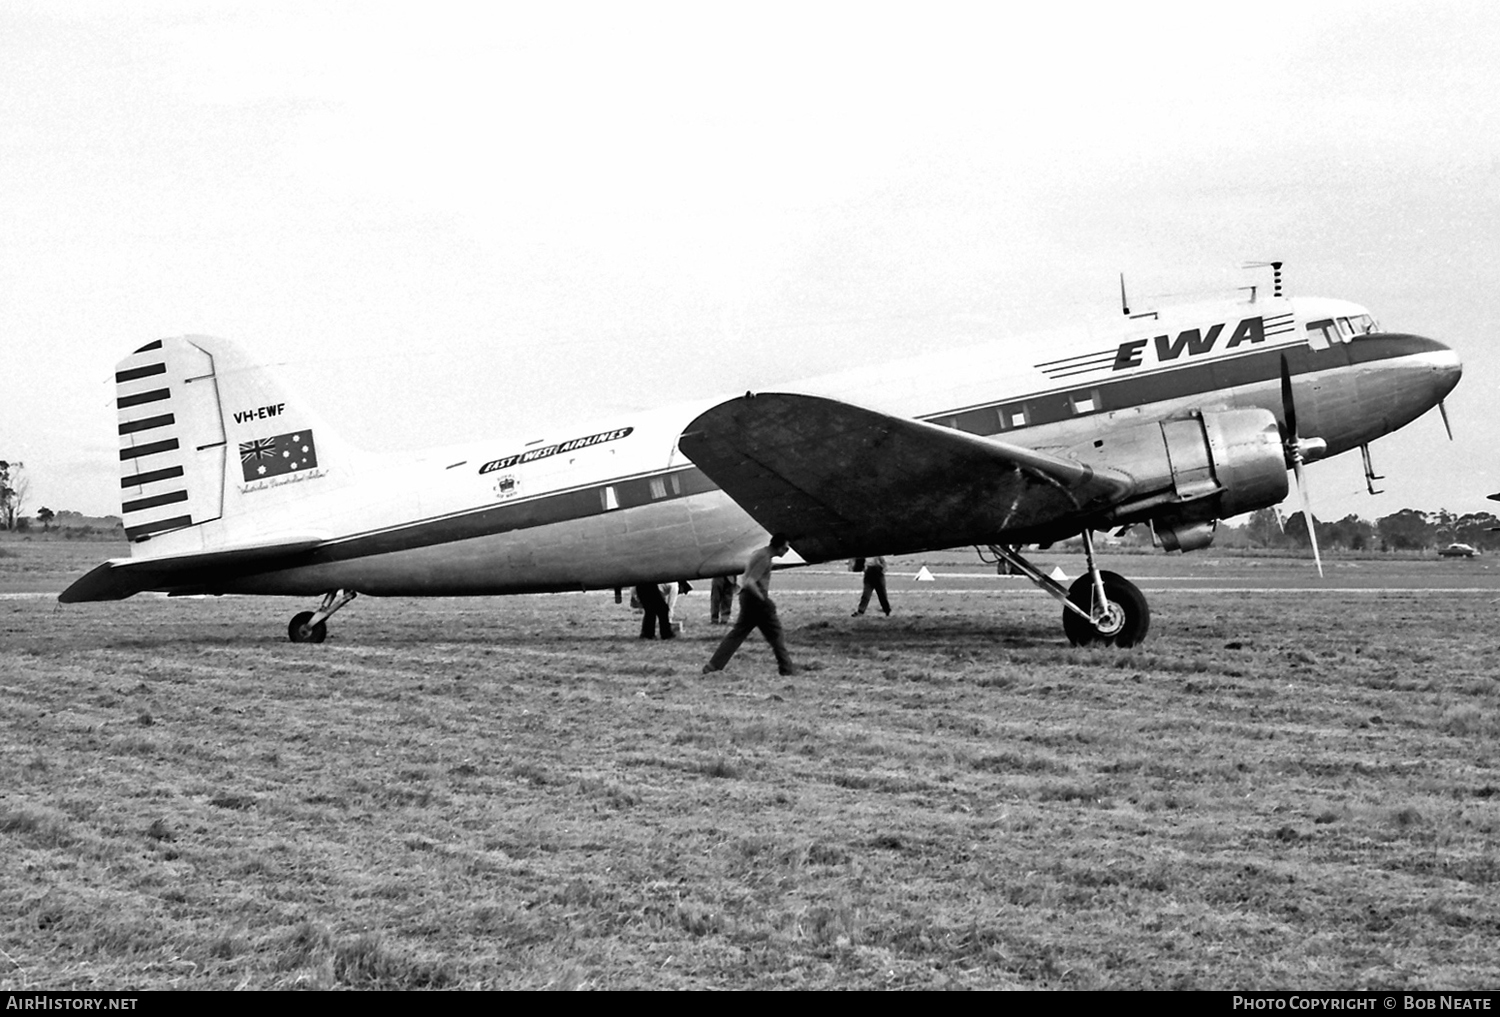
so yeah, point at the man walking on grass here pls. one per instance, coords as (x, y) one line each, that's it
(874, 583)
(757, 611)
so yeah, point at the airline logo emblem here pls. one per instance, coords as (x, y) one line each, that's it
(1166, 349)
(272, 457)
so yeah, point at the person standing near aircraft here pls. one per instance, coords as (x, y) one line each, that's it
(657, 613)
(721, 599)
(757, 611)
(670, 592)
(874, 583)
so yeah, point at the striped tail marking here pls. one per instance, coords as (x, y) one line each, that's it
(171, 439)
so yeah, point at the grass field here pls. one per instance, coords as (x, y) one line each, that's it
(1291, 789)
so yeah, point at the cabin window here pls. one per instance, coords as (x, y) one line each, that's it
(1084, 402)
(1013, 416)
(658, 487)
(609, 498)
(1321, 334)
(676, 483)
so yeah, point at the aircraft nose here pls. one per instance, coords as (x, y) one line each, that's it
(1447, 367)
(1407, 375)
(1440, 363)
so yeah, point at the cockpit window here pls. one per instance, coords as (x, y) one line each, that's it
(1321, 334)
(1325, 332)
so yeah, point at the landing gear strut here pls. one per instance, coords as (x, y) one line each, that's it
(311, 626)
(1370, 477)
(1100, 608)
(1118, 617)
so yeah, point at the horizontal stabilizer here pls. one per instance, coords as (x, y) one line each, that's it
(841, 480)
(119, 578)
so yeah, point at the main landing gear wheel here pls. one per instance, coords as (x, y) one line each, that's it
(312, 626)
(301, 632)
(1123, 621)
(1100, 609)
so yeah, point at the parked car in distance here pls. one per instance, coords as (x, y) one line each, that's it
(1459, 551)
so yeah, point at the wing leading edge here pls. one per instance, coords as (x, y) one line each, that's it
(842, 480)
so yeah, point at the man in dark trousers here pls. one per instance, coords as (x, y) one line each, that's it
(655, 606)
(874, 583)
(757, 611)
(721, 599)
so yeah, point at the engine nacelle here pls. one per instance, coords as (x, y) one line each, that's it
(1194, 470)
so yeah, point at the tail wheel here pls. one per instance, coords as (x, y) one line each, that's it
(301, 632)
(1123, 620)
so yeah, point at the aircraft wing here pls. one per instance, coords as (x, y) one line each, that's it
(119, 578)
(841, 480)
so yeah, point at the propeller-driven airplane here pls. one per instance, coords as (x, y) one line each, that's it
(1176, 417)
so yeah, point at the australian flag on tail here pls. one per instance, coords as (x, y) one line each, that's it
(272, 457)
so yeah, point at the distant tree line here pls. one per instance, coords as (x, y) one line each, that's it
(13, 489)
(1406, 530)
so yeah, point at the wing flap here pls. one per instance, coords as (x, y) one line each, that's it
(842, 480)
(119, 578)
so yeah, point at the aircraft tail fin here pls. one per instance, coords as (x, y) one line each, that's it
(213, 449)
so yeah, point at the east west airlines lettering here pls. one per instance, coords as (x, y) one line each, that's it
(572, 445)
(1172, 419)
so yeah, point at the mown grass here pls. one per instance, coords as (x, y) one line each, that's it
(1274, 792)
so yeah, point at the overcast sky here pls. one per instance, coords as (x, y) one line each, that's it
(452, 221)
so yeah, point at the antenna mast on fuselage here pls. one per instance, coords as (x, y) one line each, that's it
(1275, 267)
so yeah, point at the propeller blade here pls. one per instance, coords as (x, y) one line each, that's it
(1443, 409)
(1307, 516)
(1288, 408)
(1298, 451)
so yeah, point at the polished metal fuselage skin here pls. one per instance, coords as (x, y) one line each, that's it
(634, 509)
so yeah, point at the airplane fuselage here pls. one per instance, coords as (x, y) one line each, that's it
(615, 502)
